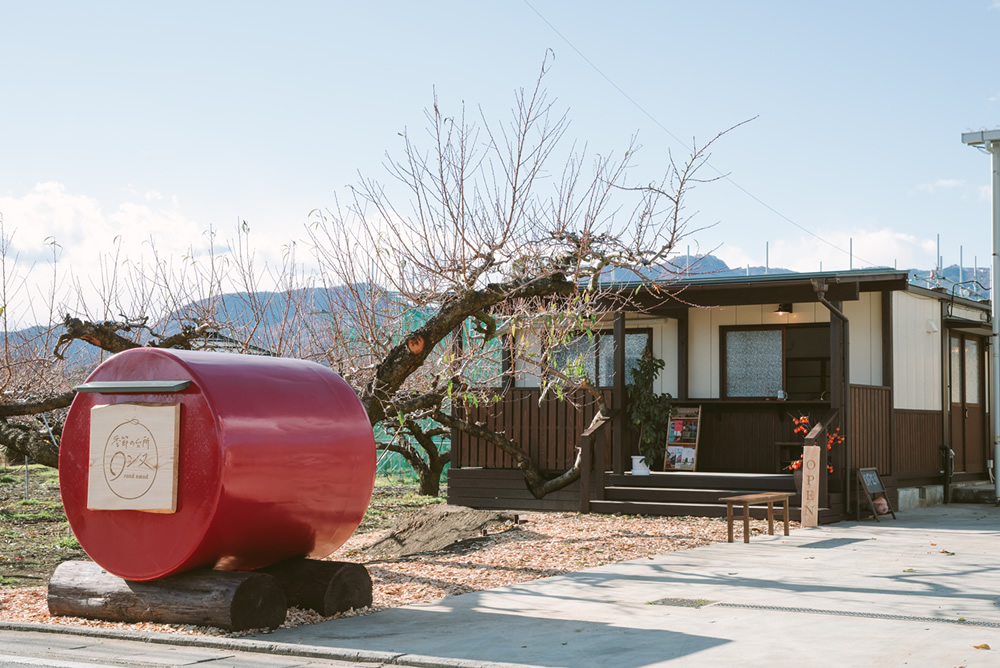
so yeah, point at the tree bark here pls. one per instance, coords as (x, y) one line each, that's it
(400, 363)
(28, 443)
(104, 335)
(226, 599)
(35, 407)
(328, 587)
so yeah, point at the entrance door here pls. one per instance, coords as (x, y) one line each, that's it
(968, 416)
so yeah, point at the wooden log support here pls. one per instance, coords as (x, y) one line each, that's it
(230, 600)
(328, 587)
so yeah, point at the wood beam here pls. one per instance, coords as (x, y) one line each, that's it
(682, 355)
(665, 302)
(618, 395)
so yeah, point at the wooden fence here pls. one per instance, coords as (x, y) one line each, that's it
(549, 430)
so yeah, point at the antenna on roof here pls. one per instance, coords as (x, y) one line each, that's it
(961, 263)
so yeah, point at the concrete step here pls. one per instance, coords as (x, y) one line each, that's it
(682, 509)
(677, 495)
(982, 491)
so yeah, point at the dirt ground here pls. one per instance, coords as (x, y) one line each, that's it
(415, 549)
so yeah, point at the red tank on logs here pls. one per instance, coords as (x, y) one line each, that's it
(173, 460)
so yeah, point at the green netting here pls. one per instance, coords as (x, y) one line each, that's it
(392, 465)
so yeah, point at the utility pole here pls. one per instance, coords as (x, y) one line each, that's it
(989, 141)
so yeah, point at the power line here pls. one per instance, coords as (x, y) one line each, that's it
(682, 143)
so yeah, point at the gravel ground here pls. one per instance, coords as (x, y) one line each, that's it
(539, 545)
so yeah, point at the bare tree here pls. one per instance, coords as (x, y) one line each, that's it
(486, 258)
(499, 236)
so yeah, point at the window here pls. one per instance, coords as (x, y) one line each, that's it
(595, 357)
(763, 361)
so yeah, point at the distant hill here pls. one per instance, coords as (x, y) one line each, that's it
(964, 281)
(240, 310)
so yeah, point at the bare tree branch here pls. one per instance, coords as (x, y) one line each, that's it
(35, 407)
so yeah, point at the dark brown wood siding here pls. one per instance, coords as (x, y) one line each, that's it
(550, 431)
(739, 438)
(917, 441)
(870, 435)
(505, 489)
(744, 436)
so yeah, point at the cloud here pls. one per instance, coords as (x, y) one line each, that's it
(57, 240)
(940, 184)
(885, 247)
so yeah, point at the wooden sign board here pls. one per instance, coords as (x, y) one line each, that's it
(810, 486)
(872, 486)
(133, 457)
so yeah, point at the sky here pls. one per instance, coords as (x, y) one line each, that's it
(148, 124)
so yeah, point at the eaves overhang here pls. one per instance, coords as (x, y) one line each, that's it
(666, 296)
(967, 326)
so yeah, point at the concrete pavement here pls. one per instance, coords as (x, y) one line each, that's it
(921, 590)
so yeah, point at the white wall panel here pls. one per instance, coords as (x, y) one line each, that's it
(665, 348)
(700, 365)
(865, 317)
(916, 362)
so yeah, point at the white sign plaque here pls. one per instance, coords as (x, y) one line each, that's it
(133, 457)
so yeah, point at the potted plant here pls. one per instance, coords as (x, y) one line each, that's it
(649, 412)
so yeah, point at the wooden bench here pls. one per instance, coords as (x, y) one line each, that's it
(755, 499)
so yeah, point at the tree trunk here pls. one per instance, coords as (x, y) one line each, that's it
(430, 481)
(28, 443)
(227, 599)
(328, 587)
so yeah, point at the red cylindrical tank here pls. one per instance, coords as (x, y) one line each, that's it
(274, 458)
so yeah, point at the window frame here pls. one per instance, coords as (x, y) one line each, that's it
(783, 328)
(600, 334)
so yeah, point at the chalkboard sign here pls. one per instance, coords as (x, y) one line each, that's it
(873, 488)
(871, 481)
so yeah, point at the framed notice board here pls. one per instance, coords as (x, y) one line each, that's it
(872, 488)
(682, 440)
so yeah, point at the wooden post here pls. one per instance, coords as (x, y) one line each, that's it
(836, 363)
(618, 397)
(586, 469)
(810, 485)
(230, 600)
(600, 462)
(888, 373)
(507, 362)
(682, 355)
